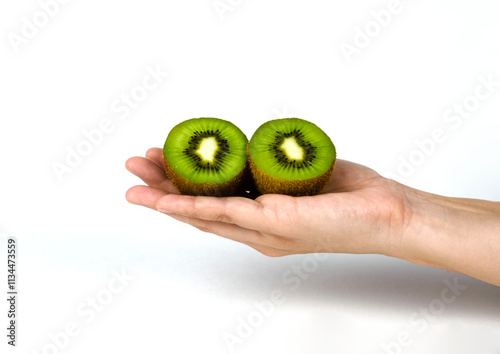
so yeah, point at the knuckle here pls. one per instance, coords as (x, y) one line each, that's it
(222, 217)
(223, 214)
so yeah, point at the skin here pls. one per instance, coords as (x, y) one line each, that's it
(358, 212)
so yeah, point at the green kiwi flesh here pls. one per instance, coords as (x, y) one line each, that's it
(206, 156)
(291, 156)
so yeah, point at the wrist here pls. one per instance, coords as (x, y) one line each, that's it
(456, 234)
(424, 239)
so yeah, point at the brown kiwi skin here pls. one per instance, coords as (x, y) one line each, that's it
(233, 187)
(267, 184)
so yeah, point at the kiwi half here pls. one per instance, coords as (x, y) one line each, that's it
(291, 156)
(206, 156)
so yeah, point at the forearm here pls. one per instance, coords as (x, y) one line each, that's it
(461, 235)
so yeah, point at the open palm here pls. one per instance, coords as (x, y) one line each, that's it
(358, 212)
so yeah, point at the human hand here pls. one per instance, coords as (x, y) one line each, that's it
(358, 212)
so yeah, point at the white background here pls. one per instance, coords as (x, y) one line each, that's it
(258, 61)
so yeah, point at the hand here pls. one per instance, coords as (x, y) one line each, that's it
(358, 212)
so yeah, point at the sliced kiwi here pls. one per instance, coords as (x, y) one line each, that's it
(291, 156)
(206, 156)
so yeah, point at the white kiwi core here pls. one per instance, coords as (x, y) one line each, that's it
(207, 149)
(292, 149)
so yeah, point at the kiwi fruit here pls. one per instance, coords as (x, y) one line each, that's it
(291, 156)
(206, 156)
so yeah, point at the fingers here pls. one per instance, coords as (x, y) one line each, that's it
(236, 233)
(243, 212)
(229, 231)
(148, 197)
(266, 244)
(156, 155)
(145, 196)
(152, 174)
(213, 220)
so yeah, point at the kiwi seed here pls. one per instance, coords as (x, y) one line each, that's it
(291, 156)
(206, 156)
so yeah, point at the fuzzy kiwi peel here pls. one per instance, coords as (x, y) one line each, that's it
(291, 156)
(213, 157)
(206, 156)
